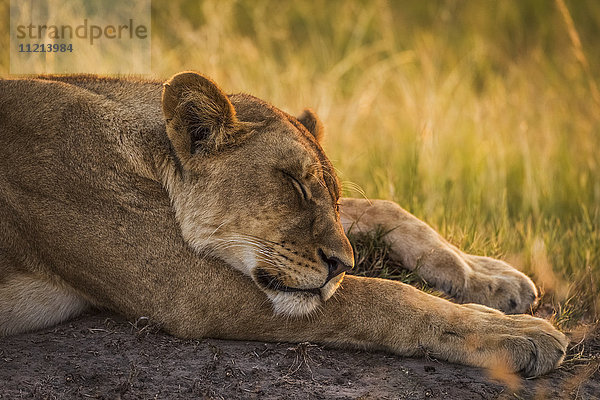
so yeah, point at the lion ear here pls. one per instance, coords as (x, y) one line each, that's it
(199, 116)
(311, 122)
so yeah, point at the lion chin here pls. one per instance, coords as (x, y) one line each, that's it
(299, 304)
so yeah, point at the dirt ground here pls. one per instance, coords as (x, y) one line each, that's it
(102, 356)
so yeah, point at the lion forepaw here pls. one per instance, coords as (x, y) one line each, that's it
(496, 284)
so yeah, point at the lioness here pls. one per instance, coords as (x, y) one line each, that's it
(220, 216)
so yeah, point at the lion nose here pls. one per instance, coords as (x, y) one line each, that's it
(334, 264)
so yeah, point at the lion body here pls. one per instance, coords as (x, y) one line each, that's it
(73, 166)
(105, 202)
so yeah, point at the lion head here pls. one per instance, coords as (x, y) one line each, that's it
(251, 185)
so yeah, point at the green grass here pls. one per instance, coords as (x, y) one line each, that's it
(372, 260)
(480, 117)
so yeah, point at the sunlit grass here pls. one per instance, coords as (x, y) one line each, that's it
(478, 117)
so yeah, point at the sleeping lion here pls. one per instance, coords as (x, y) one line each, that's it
(220, 216)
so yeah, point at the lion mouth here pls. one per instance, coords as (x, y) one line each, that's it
(270, 282)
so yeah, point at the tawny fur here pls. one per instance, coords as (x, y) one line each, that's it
(217, 216)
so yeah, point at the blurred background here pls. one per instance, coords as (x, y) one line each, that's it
(480, 117)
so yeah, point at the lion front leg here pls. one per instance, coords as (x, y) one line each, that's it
(414, 244)
(380, 314)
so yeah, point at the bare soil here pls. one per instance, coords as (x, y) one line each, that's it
(103, 356)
